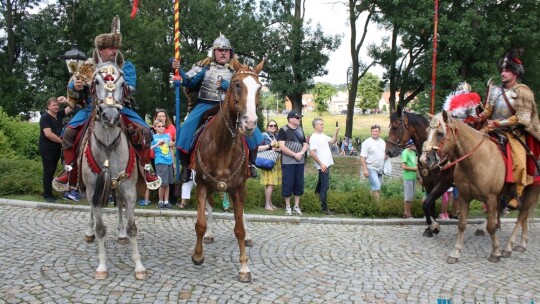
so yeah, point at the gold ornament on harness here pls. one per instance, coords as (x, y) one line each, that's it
(222, 186)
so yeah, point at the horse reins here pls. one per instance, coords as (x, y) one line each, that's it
(447, 157)
(402, 126)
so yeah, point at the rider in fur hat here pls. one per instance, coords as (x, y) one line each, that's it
(511, 109)
(106, 51)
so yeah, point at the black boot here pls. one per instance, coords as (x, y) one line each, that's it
(252, 168)
(185, 172)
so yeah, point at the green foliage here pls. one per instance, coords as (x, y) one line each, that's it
(20, 177)
(323, 93)
(369, 91)
(22, 137)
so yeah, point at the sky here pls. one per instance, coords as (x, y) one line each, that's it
(333, 19)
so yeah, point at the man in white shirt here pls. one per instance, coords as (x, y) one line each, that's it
(322, 155)
(372, 157)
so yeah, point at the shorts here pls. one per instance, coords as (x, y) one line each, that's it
(166, 174)
(293, 180)
(374, 179)
(408, 189)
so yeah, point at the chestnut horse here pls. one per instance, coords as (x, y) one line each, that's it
(479, 174)
(405, 126)
(221, 156)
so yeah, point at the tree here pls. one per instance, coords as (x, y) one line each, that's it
(369, 91)
(323, 94)
(298, 53)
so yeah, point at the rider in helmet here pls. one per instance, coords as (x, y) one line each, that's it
(210, 78)
(106, 50)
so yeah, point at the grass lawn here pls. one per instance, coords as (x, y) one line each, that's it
(361, 123)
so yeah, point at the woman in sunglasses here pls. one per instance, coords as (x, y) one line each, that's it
(270, 178)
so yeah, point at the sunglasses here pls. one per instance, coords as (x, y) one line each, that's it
(297, 118)
(272, 125)
(375, 127)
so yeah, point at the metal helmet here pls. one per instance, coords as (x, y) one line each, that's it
(221, 43)
(464, 87)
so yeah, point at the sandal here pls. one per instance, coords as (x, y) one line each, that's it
(181, 205)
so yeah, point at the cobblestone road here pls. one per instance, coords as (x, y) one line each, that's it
(44, 259)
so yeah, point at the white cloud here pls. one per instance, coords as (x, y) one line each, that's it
(333, 18)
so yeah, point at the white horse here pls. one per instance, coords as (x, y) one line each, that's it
(108, 165)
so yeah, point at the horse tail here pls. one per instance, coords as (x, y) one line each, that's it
(102, 189)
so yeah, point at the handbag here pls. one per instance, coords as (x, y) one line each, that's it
(387, 167)
(266, 159)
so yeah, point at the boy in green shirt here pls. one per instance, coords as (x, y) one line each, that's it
(409, 164)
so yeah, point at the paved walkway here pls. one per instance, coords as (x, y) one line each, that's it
(45, 259)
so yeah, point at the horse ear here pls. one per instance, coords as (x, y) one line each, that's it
(445, 116)
(259, 66)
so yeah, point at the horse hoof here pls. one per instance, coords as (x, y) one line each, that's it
(479, 232)
(89, 238)
(244, 277)
(101, 275)
(519, 249)
(141, 275)
(123, 240)
(437, 230)
(428, 233)
(452, 260)
(196, 262)
(208, 239)
(494, 259)
(506, 254)
(248, 243)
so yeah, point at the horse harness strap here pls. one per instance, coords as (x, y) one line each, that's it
(512, 110)
(464, 156)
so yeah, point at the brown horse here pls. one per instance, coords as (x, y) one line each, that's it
(222, 156)
(405, 126)
(479, 174)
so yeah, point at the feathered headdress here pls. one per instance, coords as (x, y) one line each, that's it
(511, 61)
(461, 104)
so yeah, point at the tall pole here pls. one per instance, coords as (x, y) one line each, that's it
(434, 64)
(177, 80)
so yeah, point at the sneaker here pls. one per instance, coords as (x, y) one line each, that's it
(288, 211)
(441, 216)
(297, 210)
(142, 203)
(72, 196)
(167, 205)
(160, 205)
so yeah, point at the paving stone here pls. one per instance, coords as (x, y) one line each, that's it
(45, 259)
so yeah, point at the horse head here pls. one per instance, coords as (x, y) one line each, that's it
(109, 92)
(440, 142)
(243, 96)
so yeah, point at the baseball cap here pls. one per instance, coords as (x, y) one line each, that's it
(294, 114)
(410, 142)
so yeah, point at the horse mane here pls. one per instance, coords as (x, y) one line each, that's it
(416, 119)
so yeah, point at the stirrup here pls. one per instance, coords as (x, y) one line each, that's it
(61, 183)
(153, 185)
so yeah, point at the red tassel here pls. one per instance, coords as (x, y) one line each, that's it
(134, 9)
(466, 100)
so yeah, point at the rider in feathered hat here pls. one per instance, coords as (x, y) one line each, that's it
(106, 52)
(511, 110)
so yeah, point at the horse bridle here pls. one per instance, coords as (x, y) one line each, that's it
(231, 130)
(401, 129)
(446, 158)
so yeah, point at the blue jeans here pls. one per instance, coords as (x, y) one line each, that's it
(322, 187)
(374, 179)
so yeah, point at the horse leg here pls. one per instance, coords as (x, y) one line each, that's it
(101, 230)
(464, 207)
(248, 240)
(140, 271)
(530, 197)
(429, 212)
(90, 235)
(122, 234)
(197, 256)
(244, 275)
(209, 234)
(491, 228)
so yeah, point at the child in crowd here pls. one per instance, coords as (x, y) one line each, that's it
(163, 148)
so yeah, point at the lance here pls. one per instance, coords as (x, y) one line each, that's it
(177, 79)
(434, 65)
